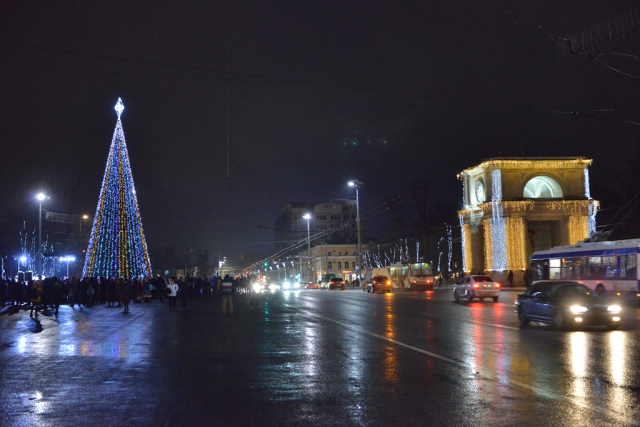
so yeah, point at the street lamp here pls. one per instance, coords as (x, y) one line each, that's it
(68, 258)
(40, 198)
(23, 260)
(308, 217)
(83, 217)
(357, 184)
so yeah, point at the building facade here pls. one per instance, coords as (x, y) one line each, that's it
(515, 206)
(331, 223)
(333, 261)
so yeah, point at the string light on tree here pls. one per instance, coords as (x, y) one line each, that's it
(117, 246)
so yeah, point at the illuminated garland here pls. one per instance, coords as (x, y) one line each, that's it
(496, 185)
(583, 207)
(526, 164)
(117, 246)
(465, 232)
(498, 238)
(587, 186)
(591, 225)
(516, 247)
(488, 253)
(578, 229)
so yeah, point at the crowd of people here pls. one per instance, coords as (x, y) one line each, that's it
(119, 292)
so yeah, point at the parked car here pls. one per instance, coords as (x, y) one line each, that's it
(311, 285)
(379, 284)
(566, 304)
(336, 283)
(480, 287)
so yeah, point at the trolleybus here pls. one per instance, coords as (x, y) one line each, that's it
(414, 277)
(610, 268)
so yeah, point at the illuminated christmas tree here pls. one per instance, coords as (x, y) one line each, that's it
(117, 247)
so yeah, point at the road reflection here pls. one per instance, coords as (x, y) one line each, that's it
(617, 369)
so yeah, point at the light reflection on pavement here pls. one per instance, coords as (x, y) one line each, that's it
(319, 357)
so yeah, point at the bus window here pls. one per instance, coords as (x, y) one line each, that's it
(538, 270)
(555, 272)
(632, 270)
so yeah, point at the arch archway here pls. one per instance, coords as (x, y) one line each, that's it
(542, 187)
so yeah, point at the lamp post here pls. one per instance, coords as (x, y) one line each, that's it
(357, 184)
(308, 218)
(40, 198)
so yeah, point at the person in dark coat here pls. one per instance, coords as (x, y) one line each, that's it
(184, 292)
(57, 292)
(125, 295)
(510, 278)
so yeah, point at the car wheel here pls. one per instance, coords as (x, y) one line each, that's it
(456, 297)
(559, 322)
(495, 299)
(469, 296)
(522, 317)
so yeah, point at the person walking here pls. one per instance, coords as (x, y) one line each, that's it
(35, 295)
(510, 278)
(226, 289)
(172, 287)
(125, 295)
(184, 293)
(56, 295)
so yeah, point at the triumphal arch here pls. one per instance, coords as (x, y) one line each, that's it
(515, 206)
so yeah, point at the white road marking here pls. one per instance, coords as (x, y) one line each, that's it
(482, 372)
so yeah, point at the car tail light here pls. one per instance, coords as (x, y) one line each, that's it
(429, 281)
(374, 282)
(414, 281)
(497, 285)
(342, 283)
(475, 285)
(388, 282)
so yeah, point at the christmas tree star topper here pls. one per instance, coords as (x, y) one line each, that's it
(119, 107)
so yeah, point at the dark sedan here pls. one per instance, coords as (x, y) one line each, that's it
(564, 305)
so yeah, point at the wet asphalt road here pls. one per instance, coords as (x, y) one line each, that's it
(314, 358)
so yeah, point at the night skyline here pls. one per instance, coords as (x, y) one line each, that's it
(317, 95)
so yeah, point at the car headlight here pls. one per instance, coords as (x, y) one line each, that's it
(296, 285)
(273, 287)
(578, 309)
(286, 285)
(614, 309)
(256, 287)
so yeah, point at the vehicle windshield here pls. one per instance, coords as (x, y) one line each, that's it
(381, 278)
(571, 290)
(482, 279)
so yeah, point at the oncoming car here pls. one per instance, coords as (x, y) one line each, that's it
(566, 304)
(336, 283)
(477, 287)
(379, 284)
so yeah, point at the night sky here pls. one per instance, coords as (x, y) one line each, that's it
(319, 93)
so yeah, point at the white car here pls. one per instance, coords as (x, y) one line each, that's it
(477, 287)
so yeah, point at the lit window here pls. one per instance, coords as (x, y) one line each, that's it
(542, 187)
